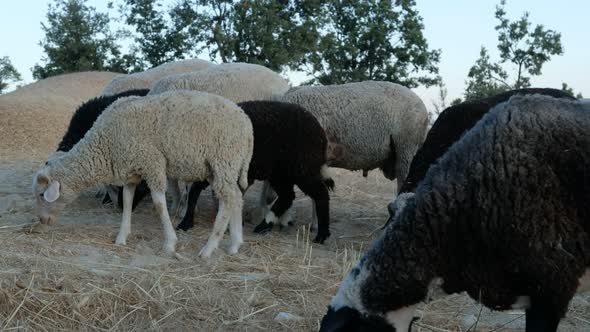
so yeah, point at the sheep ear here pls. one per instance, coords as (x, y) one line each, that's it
(51, 194)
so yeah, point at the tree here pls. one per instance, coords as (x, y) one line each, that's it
(439, 105)
(159, 38)
(77, 38)
(373, 40)
(519, 44)
(273, 33)
(570, 91)
(8, 74)
(485, 78)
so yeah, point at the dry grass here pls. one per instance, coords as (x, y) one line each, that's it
(71, 277)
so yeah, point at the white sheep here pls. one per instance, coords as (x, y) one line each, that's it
(377, 124)
(237, 82)
(137, 138)
(145, 79)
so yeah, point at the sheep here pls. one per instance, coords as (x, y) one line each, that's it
(289, 149)
(145, 79)
(451, 124)
(502, 215)
(237, 82)
(376, 124)
(82, 121)
(137, 138)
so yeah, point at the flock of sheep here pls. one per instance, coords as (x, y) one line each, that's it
(492, 198)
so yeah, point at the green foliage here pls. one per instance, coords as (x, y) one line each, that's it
(272, 33)
(456, 101)
(519, 44)
(8, 74)
(77, 38)
(570, 91)
(373, 40)
(158, 39)
(485, 78)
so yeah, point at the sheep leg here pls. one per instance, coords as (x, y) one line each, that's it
(175, 193)
(191, 208)
(317, 190)
(128, 192)
(286, 195)
(221, 222)
(235, 226)
(113, 195)
(263, 204)
(287, 218)
(159, 199)
(314, 216)
(141, 192)
(540, 317)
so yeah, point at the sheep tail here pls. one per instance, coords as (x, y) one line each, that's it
(327, 177)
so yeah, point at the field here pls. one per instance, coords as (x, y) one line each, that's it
(71, 276)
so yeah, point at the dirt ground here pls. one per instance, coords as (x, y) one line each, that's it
(72, 277)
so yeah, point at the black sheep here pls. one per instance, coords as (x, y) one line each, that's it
(82, 121)
(289, 149)
(503, 215)
(448, 128)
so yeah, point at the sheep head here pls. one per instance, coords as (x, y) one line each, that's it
(51, 195)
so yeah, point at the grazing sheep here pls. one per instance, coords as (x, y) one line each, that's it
(450, 125)
(377, 124)
(145, 79)
(237, 82)
(137, 138)
(82, 121)
(289, 149)
(503, 215)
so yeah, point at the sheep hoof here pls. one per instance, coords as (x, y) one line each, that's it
(233, 249)
(320, 238)
(206, 252)
(120, 241)
(263, 227)
(184, 225)
(286, 225)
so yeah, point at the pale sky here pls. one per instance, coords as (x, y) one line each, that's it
(458, 27)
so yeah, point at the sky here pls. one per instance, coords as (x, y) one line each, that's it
(458, 27)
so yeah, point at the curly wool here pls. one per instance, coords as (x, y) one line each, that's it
(520, 176)
(452, 123)
(367, 119)
(139, 135)
(86, 114)
(289, 149)
(237, 82)
(145, 79)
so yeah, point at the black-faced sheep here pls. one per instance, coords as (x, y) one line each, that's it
(82, 121)
(289, 149)
(448, 128)
(503, 215)
(137, 138)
